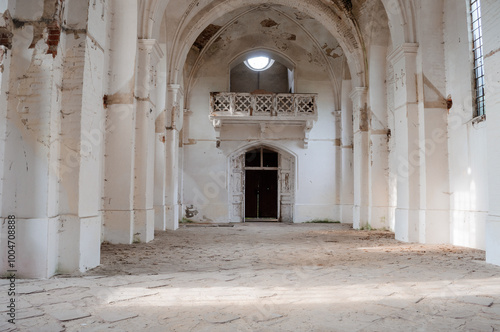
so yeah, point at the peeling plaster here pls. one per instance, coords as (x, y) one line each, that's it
(6, 30)
(268, 23)
(119, 99)
(47, 28)
(206, 35)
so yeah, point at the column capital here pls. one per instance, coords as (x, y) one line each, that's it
(358, 95)
(174, 87)
(401, 51)
(152, 46)
(176, 93)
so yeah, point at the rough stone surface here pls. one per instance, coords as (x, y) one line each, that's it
(275, 277)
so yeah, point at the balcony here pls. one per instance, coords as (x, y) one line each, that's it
(272, 106)
(265, 109)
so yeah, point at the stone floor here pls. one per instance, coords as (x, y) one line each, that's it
(268, 277)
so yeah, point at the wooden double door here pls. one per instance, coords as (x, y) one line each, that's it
(261, 195)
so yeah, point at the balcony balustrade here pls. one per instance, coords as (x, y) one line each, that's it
(293, 109)
(280, 105)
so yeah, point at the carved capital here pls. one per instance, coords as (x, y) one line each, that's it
(402, 51)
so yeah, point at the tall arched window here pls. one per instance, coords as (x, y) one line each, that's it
(477, 49)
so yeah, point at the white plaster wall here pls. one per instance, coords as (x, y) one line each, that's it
(315, 196)
(491, 37)
(467, 142)
(205, 181)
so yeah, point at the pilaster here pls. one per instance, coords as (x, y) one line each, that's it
(361, 158)
(408, 211)
(347, 182)
(148, 55)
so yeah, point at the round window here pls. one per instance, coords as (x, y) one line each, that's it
(259, 63)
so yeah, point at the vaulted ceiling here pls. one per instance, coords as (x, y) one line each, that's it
(338, 27)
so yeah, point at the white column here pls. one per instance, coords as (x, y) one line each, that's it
(121, 121)
(338, 164)
(172, 179)
(148, 55)
(428, 168)
(361, 158)
(82, 137)
(379, 151)
(174, 123)
(347, 193)
(160, 167)
(160, 174)
(407, 125)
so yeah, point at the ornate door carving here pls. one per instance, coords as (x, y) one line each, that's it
(237, 192)
(287, 184)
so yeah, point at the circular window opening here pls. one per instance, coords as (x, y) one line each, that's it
(259, 63)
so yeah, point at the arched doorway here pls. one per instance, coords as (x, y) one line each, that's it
(262, 184)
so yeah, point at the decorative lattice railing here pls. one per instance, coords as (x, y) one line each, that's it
(287, 105)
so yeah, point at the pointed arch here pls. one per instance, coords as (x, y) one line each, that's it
(401, 15)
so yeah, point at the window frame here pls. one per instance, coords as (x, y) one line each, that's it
(262, 166)
(269, 64)
(478, 84)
